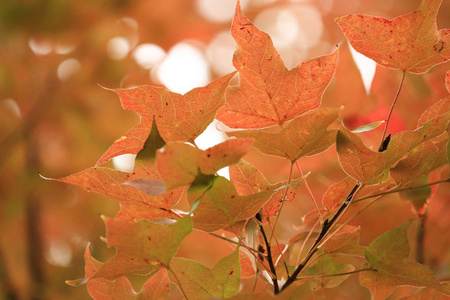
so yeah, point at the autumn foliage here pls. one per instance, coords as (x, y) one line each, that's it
(279, 110)
(328, 197)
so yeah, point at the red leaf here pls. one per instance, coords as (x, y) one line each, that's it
(179, 117)
(269, 93)
(410, 42)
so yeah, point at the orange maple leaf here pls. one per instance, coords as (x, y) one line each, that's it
(269, 93)
(178, 117)
(410, 42)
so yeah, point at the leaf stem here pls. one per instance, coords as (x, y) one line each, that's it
(390, 111)
(254, 255)
(179, 283)
(279, 247)
(310, 193)
(233, 242)
(272, 235)
(305, 241)
(282, 202)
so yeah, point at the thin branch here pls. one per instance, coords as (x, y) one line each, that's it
(234, 242)
(337, 274)
(390, 112)
(272, 235)
(279, 247)
(282, 202)
(276, 289)
(254, 255)
(357, 213)
(325, 228)
(403, 189)
(310, 193)
(305, 241)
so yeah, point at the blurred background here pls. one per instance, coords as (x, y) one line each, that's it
(56, 119)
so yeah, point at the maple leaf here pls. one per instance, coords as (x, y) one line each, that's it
(199, 282)
(369, 167)
(102, 288)
(410, 42)
(141, 194)
(142, 246)
(415, 169)
(156, 287)
(220, 205)
(269, 93)
(388, 256)
(179, 117)
(420, 161)
(248, 180)
(179, 163)
(306, 135)
(134, 203)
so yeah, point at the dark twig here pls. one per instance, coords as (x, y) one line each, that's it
(325, 228)
(276, 289)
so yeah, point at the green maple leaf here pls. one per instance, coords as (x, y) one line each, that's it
(179, 163)
(199, 282)
(388, 257)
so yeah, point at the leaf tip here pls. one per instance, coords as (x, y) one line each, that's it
(77, 282)
(45, 178)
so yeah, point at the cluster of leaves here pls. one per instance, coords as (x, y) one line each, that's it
(277, 111)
